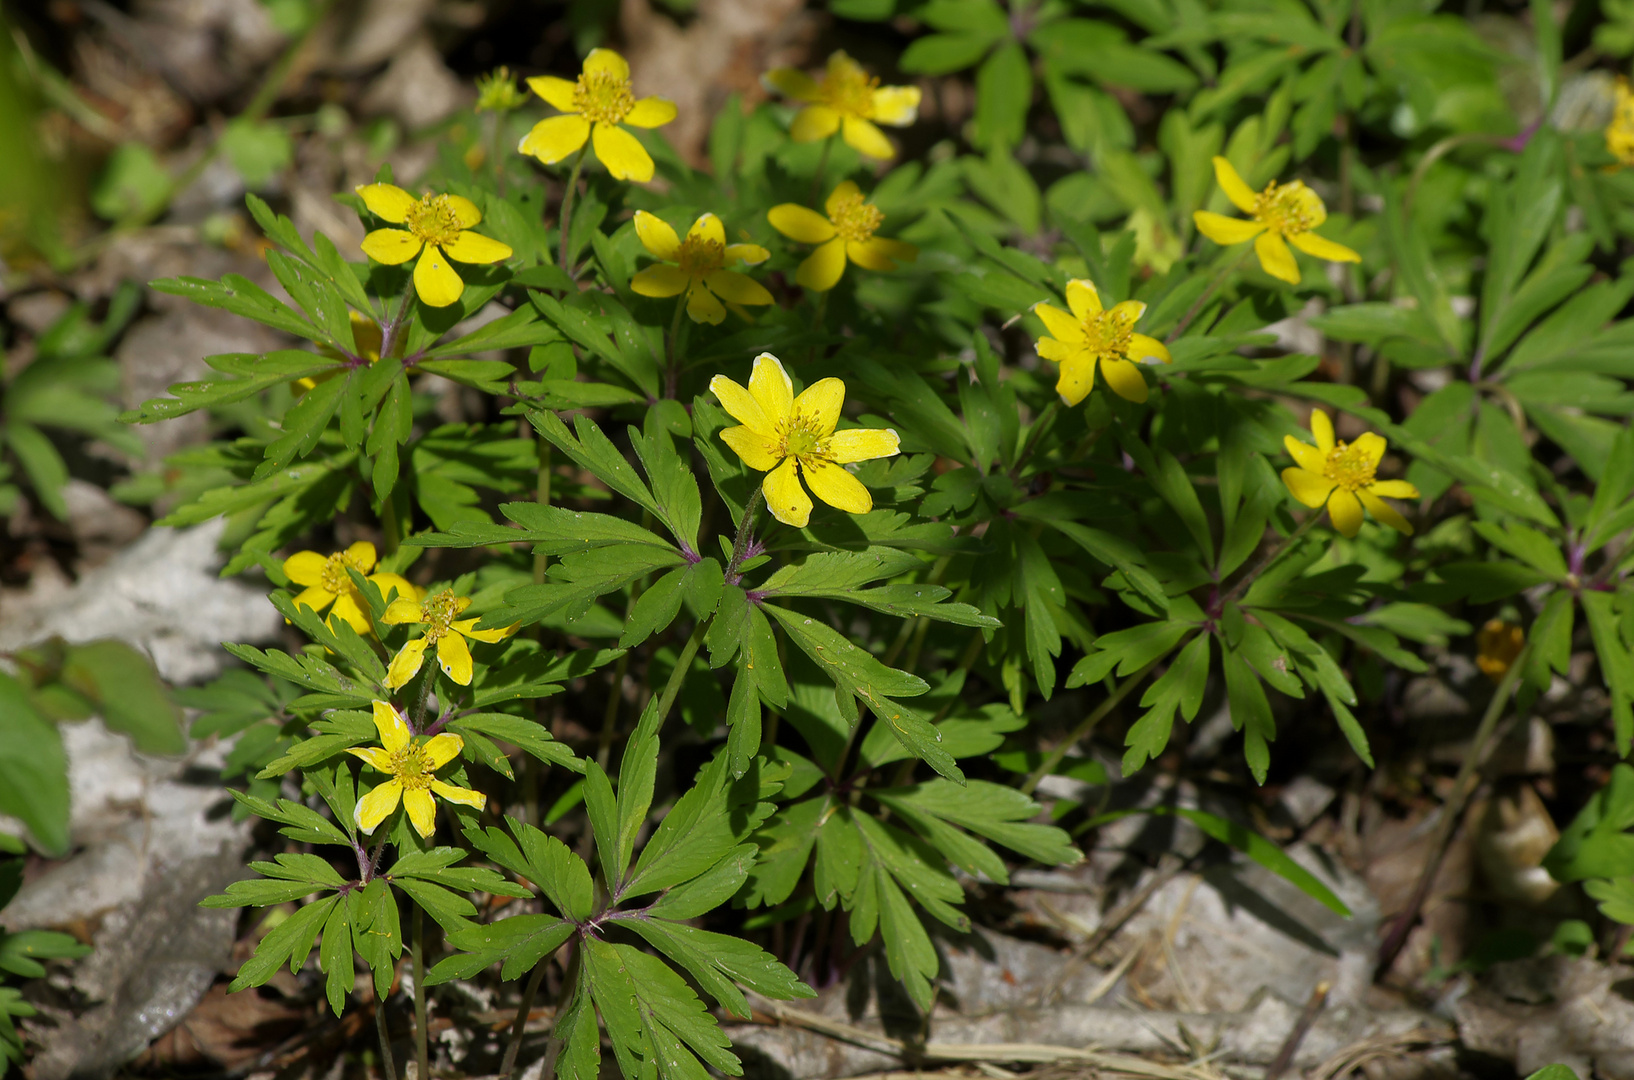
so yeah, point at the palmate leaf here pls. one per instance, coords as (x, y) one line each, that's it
(653, 1019)
(999, 813)
(251, 373)
(718, 961)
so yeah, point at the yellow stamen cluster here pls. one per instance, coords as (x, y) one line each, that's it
(854, 219)
(1288, 209)
(1348, 466)
(433, 220)
(438, 612)
(849, 91)
(412, 767)
(602, 97)
(701, 255)
(334, 578)
(802, 436)
(1110, 333)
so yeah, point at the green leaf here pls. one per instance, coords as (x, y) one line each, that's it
(655, 1022)
(527, 735)
(291, 940)
(1596, 843)
(521, 941)
(717, 961)
(33, 769)
(999, 813)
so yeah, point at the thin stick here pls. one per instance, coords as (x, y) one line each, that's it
(519, 1026)
(388, 1067)
(422, 1054)
(1290, 1045)
(1453, 812)
(1168, 867)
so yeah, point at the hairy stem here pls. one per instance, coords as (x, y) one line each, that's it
(746, 534)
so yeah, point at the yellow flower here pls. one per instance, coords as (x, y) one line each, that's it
(1620, 132)
(1496, 646)
(595, 105)
(497, 91)
(1091, 337)
(1282, 212)
(786, 437)
(1341, 475)
(328, 583)
(846, 233)
(846, 99)
(412, 766)
(365, 335)
(437, 614)
(699, 268)
(437, 224)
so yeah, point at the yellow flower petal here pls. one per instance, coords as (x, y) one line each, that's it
(742, 406)
(658, 238)
(758, 451)
(1384, 513)
(625, 158)
(1129, 311)
(405, 609)
(1305, 455)
(1083, 299)
(1393, 489)
(703, 306)
(821, 270)
(317, 598)
(435, 281)
(1142, 347)
(737, 288)
(790, 82)
(465, 211)
(608, 61)
(305, 567)
(1240, 194)
(1225, 230)
(1077, 377)
(439, 750)
(394, 583)
(391, 246)
(660, 280)
(406, 664)
(463, 796)
(1275, 258)
(836, 486)
(845, 191)
(558, 92)
(468, 627)
(773, 390)
(377, 805)
(470, 247)
(556, 137)
(1322, 431)
(388, 202)
(1323, 248)
(1063, 327)
(362, 555)
(1051, 349)
(1371, 446)
(348, 610)
(814, 122)
(1125, 379)
(862, 444)
(752, 254)
(896, 105)
(876, 252)
(454, 657)
(1345, 511)
(394, 733)
(842, 69)
(819, 404)
(799, 223)
(650, 112)
(708, 228)
(1310, 488)
(374, 755)
(785, 498)
(866, 139)
(422, 811)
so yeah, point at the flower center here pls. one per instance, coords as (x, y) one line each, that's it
(602, 97)
(1289, 209)
(1107, 334)
(432, 220)
(334, 579)
(1348, 467)
(700, 256)
(437, 612)
(412, 767)
(854, 219)
(802, 437)
(849, 93)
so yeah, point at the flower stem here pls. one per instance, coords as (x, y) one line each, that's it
(388, 1067)
(1208, 294)
(1082, 731)
(498, 139)
(541, 495)
(1269, 558)
(683, 664)
(822, 167)
(819, 309)
(519, 1026)
(565, 220)
(421, 1050)
(672, 373)
(746, 533)
(1035, 432)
